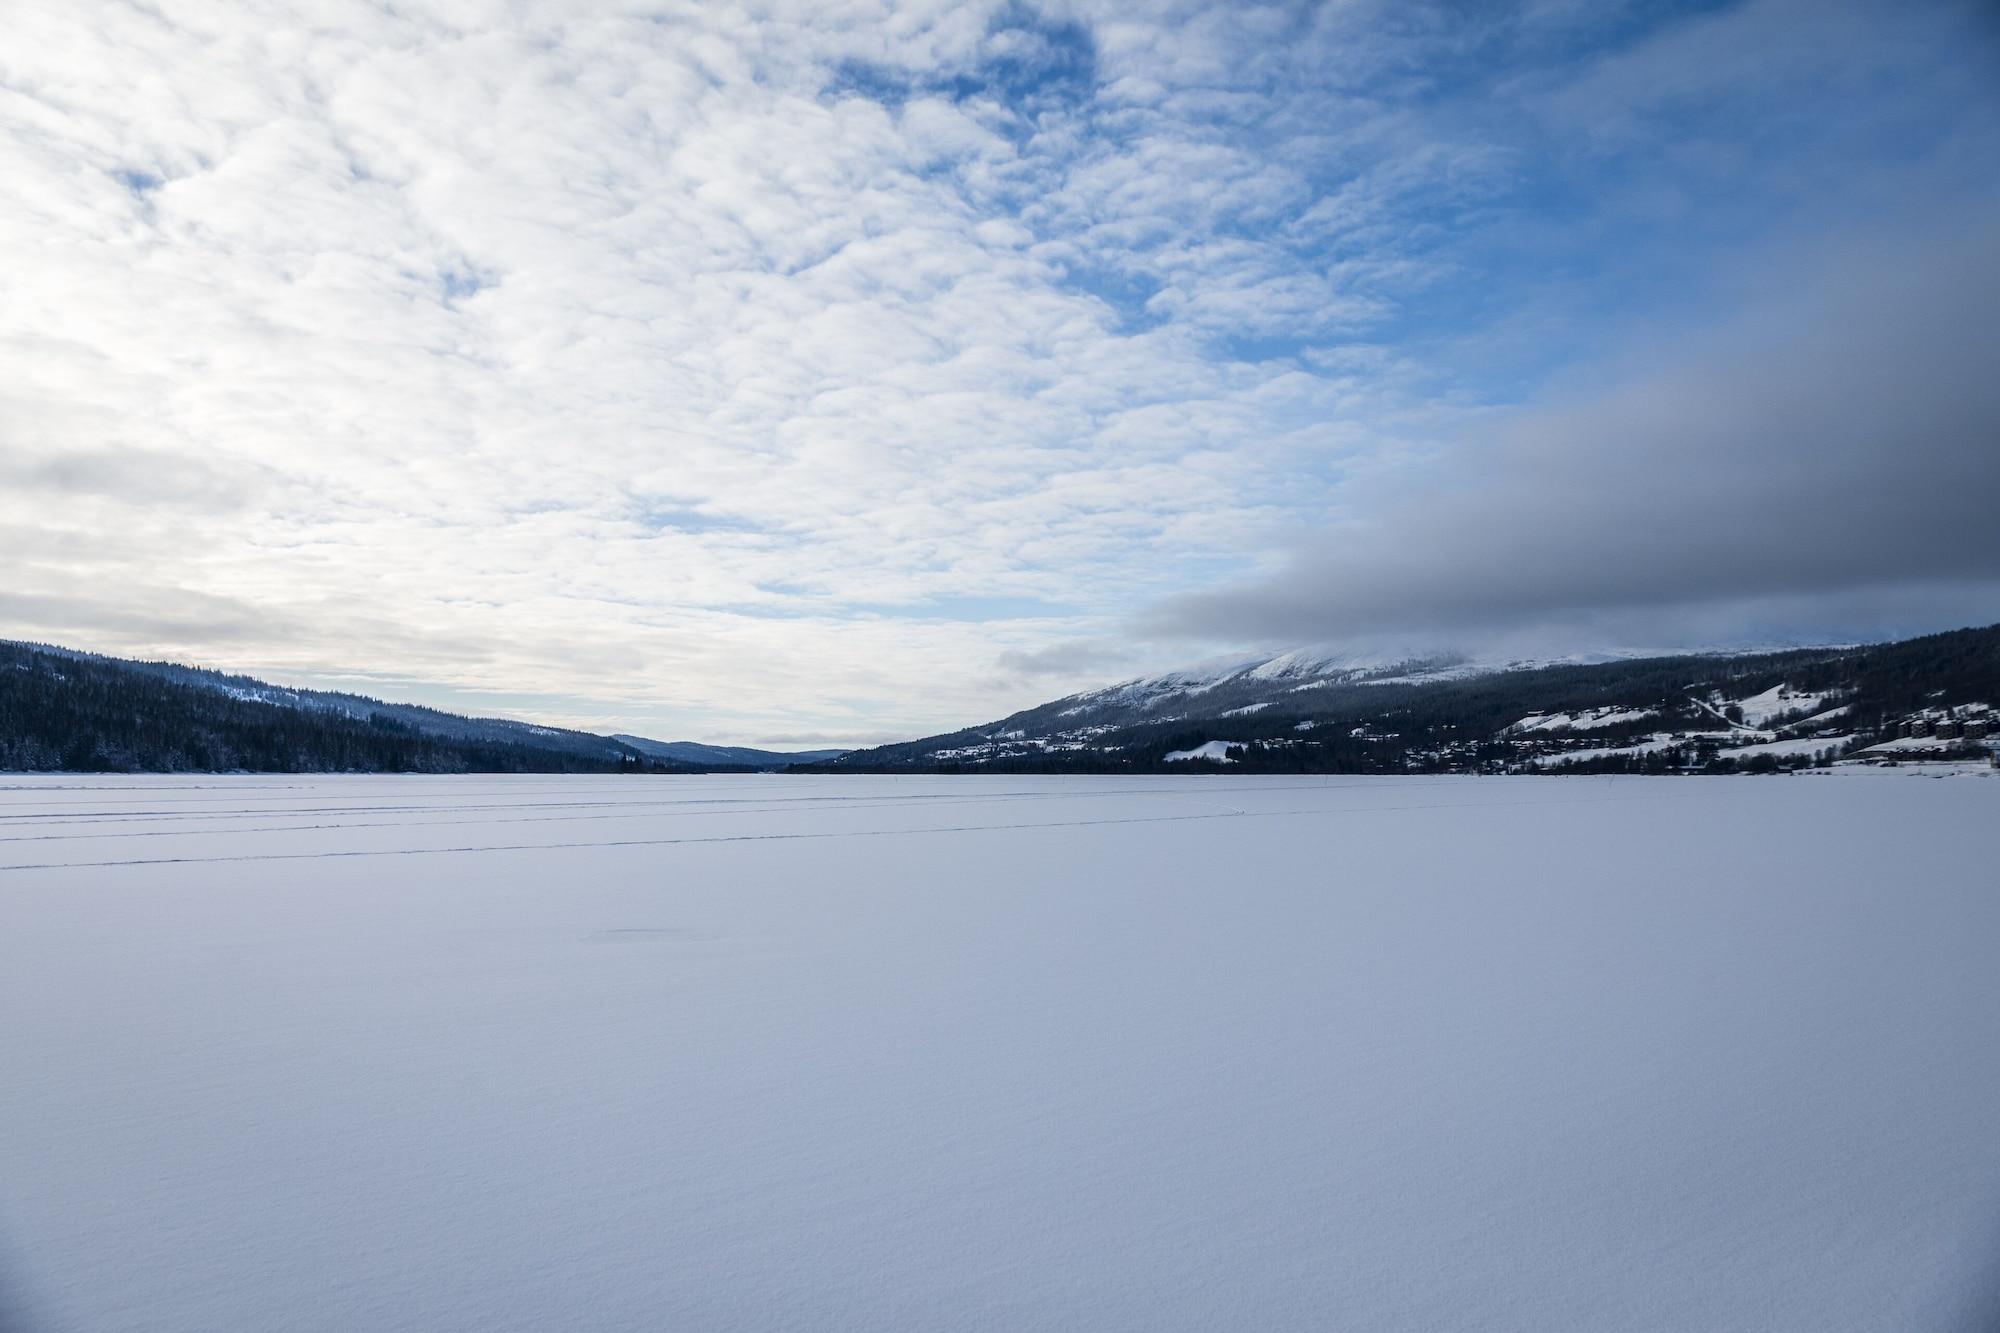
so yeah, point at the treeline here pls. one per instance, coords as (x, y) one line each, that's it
(60, 712)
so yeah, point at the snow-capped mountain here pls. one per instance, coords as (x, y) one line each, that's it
(1238, 686)
(1328, 710)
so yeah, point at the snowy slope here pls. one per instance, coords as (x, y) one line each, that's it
(1215, 752)
(1237, 686)
(1759, 709)
(1323, 710)
(1593, 719)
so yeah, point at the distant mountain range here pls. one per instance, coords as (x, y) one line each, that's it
(727, 756)
(62, 709)
(1316, 710)
(1310, 710)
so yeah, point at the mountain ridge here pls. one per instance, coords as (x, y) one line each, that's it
(741, 756)
(1316, 710)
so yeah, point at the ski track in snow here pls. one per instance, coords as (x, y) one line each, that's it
(1223, 811)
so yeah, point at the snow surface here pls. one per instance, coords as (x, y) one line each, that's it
(1761, 708)
(1591, 719)
(1217, 751)
(998, 1053)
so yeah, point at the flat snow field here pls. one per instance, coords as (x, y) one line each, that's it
(860, 1053)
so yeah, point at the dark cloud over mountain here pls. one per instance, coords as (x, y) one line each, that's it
(1825, 460)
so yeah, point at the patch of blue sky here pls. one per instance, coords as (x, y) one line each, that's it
(1127, 291)
(680, 518)
(1568, 235)
(1029, 63)
(140, 183)
(786, 601)
(459, 282)
(970, 609)
(1260, 347)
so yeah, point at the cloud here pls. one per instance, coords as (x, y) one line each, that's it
(634, 358)
(1072, 658)
(154, 477)
(1824, 461)
(817, 740)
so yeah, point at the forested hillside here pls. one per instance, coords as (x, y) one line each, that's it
(61, 710)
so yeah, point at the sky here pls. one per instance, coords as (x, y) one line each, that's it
(832, 373)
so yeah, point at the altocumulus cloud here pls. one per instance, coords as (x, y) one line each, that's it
(674, 364)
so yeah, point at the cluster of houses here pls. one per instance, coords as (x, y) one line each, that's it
(1943, 729)
(1936, 733)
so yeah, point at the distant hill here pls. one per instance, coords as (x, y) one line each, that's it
(740, 756)
(1322, 712)
(61, 709)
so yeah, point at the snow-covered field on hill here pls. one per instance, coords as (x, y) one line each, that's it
(882, 1053)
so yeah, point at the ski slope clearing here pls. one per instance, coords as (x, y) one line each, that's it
(1594, 719)
(1216, 752)
(999, 1053)
(1779, 699)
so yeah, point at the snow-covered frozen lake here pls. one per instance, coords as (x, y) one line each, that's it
(998, 1053)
